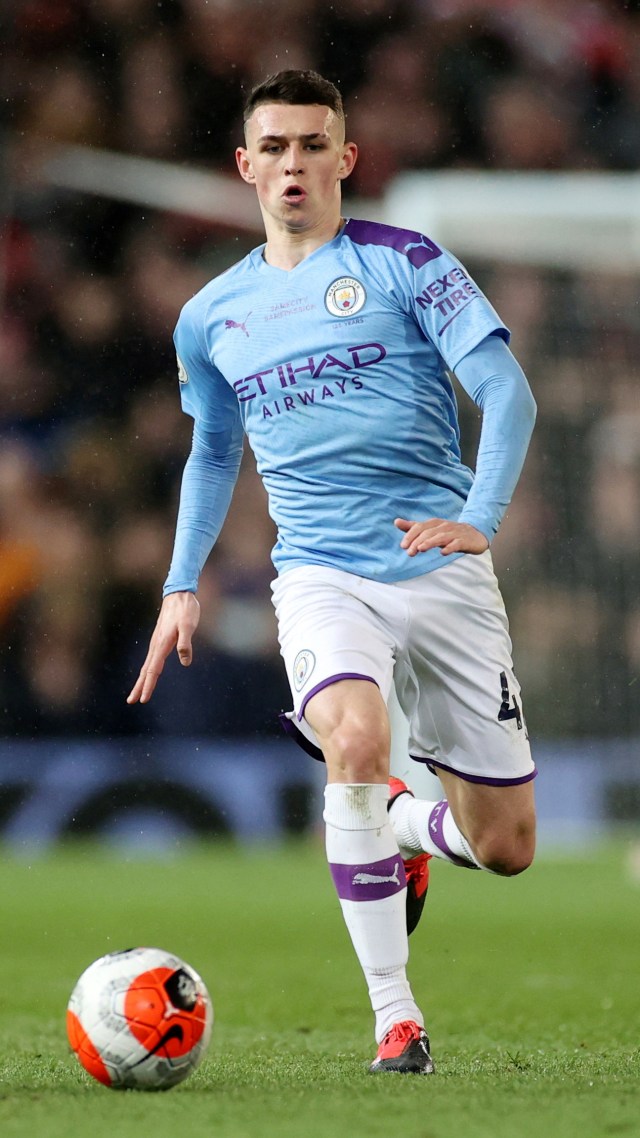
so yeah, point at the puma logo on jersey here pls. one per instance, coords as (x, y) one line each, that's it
(241, 325)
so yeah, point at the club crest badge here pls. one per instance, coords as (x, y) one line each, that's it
(303, 666)
(345, 297)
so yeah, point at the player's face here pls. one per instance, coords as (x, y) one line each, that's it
(296, 157)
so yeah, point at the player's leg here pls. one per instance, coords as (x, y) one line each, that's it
(349, 719)
(477, 826)
(456, 684)
(498, 822)
(339, 659)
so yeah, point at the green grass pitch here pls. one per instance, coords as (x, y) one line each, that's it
(531, 988)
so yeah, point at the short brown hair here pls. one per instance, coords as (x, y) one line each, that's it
(301, 88)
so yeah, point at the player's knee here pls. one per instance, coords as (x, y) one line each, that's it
(506, 854)
(509, 865)
(356, 754)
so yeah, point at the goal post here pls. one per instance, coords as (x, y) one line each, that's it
(579, 220)
(558, 220)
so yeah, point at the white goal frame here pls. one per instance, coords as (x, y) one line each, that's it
(557, 220)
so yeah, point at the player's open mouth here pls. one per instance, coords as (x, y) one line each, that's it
(294, 194)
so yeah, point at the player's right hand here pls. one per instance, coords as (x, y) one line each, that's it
(176, 624)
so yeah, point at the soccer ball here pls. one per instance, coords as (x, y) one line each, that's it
(140, 1018)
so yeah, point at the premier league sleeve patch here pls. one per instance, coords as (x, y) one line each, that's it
(345, 297)
(182, 372)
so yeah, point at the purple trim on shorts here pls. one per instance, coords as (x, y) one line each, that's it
(295, 733)
(430, 763)
(326, 683)
(372, 882)
(436, 833)
(417, 248)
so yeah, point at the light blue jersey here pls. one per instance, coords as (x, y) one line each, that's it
(337, 371)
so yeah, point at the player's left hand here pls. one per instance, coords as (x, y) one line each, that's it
(450, 537)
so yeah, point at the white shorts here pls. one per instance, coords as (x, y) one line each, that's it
(442, 638)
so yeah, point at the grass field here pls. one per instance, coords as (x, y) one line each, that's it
(531, 989)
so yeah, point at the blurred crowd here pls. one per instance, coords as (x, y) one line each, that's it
(92, 440)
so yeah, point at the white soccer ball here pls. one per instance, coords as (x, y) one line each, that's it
(141, 1019)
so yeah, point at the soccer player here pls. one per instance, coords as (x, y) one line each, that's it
(331, 347)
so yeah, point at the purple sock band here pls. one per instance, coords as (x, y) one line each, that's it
(436, 833)
(369, 882)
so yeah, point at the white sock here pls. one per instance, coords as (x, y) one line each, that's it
(369, 877)
(420, 826)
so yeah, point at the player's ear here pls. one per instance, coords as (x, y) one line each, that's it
(349, 159)
(244, 165)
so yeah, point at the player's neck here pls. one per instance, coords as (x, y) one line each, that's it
(285, 248)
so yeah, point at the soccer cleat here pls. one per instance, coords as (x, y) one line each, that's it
(416, 868)
(404, 1049)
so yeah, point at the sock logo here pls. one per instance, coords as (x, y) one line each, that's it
(369, 881)
(435, 823)
(377, 878)
(436, 831)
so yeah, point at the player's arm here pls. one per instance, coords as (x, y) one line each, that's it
(491, 375)
(209, 477)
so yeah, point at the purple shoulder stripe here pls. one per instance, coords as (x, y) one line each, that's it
(417, 248)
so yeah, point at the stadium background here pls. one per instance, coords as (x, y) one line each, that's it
(92, 440)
